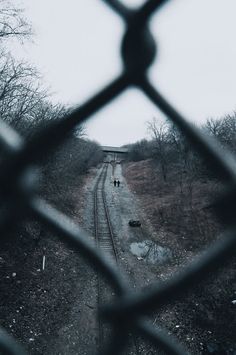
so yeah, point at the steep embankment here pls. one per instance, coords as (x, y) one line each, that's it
(184, 221)
(45, 308)
(180, 210)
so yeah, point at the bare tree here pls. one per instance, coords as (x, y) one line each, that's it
(21, 94)
(140, 150)
(213, 126)
(224, 130)
(159, 134)
(12, 22)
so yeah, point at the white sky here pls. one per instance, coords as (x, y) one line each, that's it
(76, 47)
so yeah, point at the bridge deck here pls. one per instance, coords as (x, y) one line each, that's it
(109, 149)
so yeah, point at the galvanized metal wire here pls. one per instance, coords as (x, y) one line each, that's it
(17, 186)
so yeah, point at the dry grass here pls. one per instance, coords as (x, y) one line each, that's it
(184, 221)
(183, 209)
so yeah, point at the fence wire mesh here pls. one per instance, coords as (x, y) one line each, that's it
(18, 189)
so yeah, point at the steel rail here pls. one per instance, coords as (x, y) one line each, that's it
(115, 251)
(109, 220)
(102, 179)
(100, 326)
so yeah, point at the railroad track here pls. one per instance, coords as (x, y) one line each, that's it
(104, 235)
(104, 238)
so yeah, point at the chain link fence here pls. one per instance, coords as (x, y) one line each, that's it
(20, 199)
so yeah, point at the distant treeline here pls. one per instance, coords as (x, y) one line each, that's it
(171, 150)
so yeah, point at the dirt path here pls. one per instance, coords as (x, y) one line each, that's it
(124, 206)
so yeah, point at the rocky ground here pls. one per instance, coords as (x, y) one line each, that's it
(48, 310)
(185, 223)
(53, 311)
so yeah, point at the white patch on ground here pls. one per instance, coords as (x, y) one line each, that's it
(150, 251)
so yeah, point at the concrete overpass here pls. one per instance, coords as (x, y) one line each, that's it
(108, 149)
(114, 153)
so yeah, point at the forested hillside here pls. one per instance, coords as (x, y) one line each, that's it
(178, 190)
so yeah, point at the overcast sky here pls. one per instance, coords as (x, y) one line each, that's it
(76, 48)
